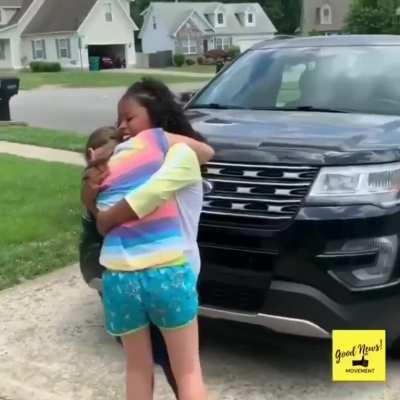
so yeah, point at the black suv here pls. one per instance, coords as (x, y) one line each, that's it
(300, 233)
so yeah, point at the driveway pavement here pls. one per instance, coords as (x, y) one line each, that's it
(53, 347)
(76, 110)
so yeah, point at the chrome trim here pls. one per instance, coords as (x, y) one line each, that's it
(254, 199)
(292, 326)
(256, 173)
(246, 182)
(247, 215)
(266, 166)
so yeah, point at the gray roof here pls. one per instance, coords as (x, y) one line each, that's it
(11, 3)
(174, 14)
(59, 16)
(21, 12)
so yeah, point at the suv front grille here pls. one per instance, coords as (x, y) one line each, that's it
(252, 193)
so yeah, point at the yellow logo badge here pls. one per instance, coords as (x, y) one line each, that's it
(359, 355)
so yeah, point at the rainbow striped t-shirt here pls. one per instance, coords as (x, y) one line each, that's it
(155, 240)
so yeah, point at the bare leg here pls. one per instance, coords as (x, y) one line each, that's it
(139, 366)
(183, 350)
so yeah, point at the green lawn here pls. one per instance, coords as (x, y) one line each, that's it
(43, 137)
(205, 69)
(40, 218)
(31, 80)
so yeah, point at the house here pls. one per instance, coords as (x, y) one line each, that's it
(324, 16)
(194, 28)
(66, 31)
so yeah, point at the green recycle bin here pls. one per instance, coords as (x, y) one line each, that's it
(94, 63)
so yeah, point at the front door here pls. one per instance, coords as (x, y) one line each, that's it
(205, 45)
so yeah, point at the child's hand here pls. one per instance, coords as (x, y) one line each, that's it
(102, 154)
(92, 180)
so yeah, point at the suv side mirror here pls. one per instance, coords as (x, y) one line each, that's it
(186, 96)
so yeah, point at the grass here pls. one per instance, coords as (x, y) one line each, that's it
(40, 218)
(204, 69)
(74, 79)
(43, 137)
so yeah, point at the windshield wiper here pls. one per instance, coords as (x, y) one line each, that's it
(318, 109)
(217, 106)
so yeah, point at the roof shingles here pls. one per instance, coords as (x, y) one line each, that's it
(173, 14)
(59, 16)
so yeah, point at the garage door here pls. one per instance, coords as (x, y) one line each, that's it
(112, 55)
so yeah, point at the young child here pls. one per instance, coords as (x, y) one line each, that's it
(149, 277)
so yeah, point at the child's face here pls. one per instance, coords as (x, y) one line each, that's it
(132, 117)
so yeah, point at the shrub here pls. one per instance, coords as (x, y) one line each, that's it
(200, 60)
(217, 54)
(233, 52)
(179, 60)
(189, 62)
(43, 66)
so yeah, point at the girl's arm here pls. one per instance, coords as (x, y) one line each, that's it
(180, 169)
(203, 151)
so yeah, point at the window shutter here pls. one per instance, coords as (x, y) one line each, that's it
(69, 47)
(58, 48)
(33, 50)
(44, 49)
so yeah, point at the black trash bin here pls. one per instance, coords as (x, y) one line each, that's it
(9, 87)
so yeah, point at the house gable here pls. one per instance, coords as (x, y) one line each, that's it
(97, 28)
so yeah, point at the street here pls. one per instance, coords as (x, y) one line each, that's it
(75, 110)
(53, 346)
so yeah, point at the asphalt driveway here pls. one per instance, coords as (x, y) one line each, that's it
(76, 110)
(53, 347)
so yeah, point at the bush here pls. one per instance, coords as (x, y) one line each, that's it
(217, 54)
(42, 66)
(233, 52)
(179, 60)
(189, 62)
(200, 60)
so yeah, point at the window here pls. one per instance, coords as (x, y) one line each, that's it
(2, 50)
(154, 23)
(220, 19)
(108, 12)
(326, 15)
(189, 46)
(223, 43)
(250, 19)
(39, 49)
(63, 48)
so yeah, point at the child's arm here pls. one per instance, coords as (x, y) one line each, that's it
(203, 151)
(180, 169)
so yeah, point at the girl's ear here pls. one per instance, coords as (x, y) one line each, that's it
(91, 155)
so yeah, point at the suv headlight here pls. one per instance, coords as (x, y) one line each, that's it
(370, 184)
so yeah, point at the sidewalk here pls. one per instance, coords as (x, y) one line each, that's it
(41, 153)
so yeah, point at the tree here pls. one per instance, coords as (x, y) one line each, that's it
(374, 17)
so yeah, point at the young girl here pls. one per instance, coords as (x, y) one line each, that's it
(149, 277)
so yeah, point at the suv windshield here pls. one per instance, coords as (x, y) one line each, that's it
(331, 79)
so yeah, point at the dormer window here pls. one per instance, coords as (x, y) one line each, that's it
(220, 18)
(325, 15)
(250, 18)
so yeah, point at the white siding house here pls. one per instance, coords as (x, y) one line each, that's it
(195, 28)
(66, 31)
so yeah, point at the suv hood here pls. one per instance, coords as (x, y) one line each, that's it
(311, 138)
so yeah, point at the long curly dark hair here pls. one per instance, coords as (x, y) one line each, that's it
(163, 109)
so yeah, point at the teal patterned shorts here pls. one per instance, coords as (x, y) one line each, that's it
(166, 297)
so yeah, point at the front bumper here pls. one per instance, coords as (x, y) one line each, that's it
(276, 279)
